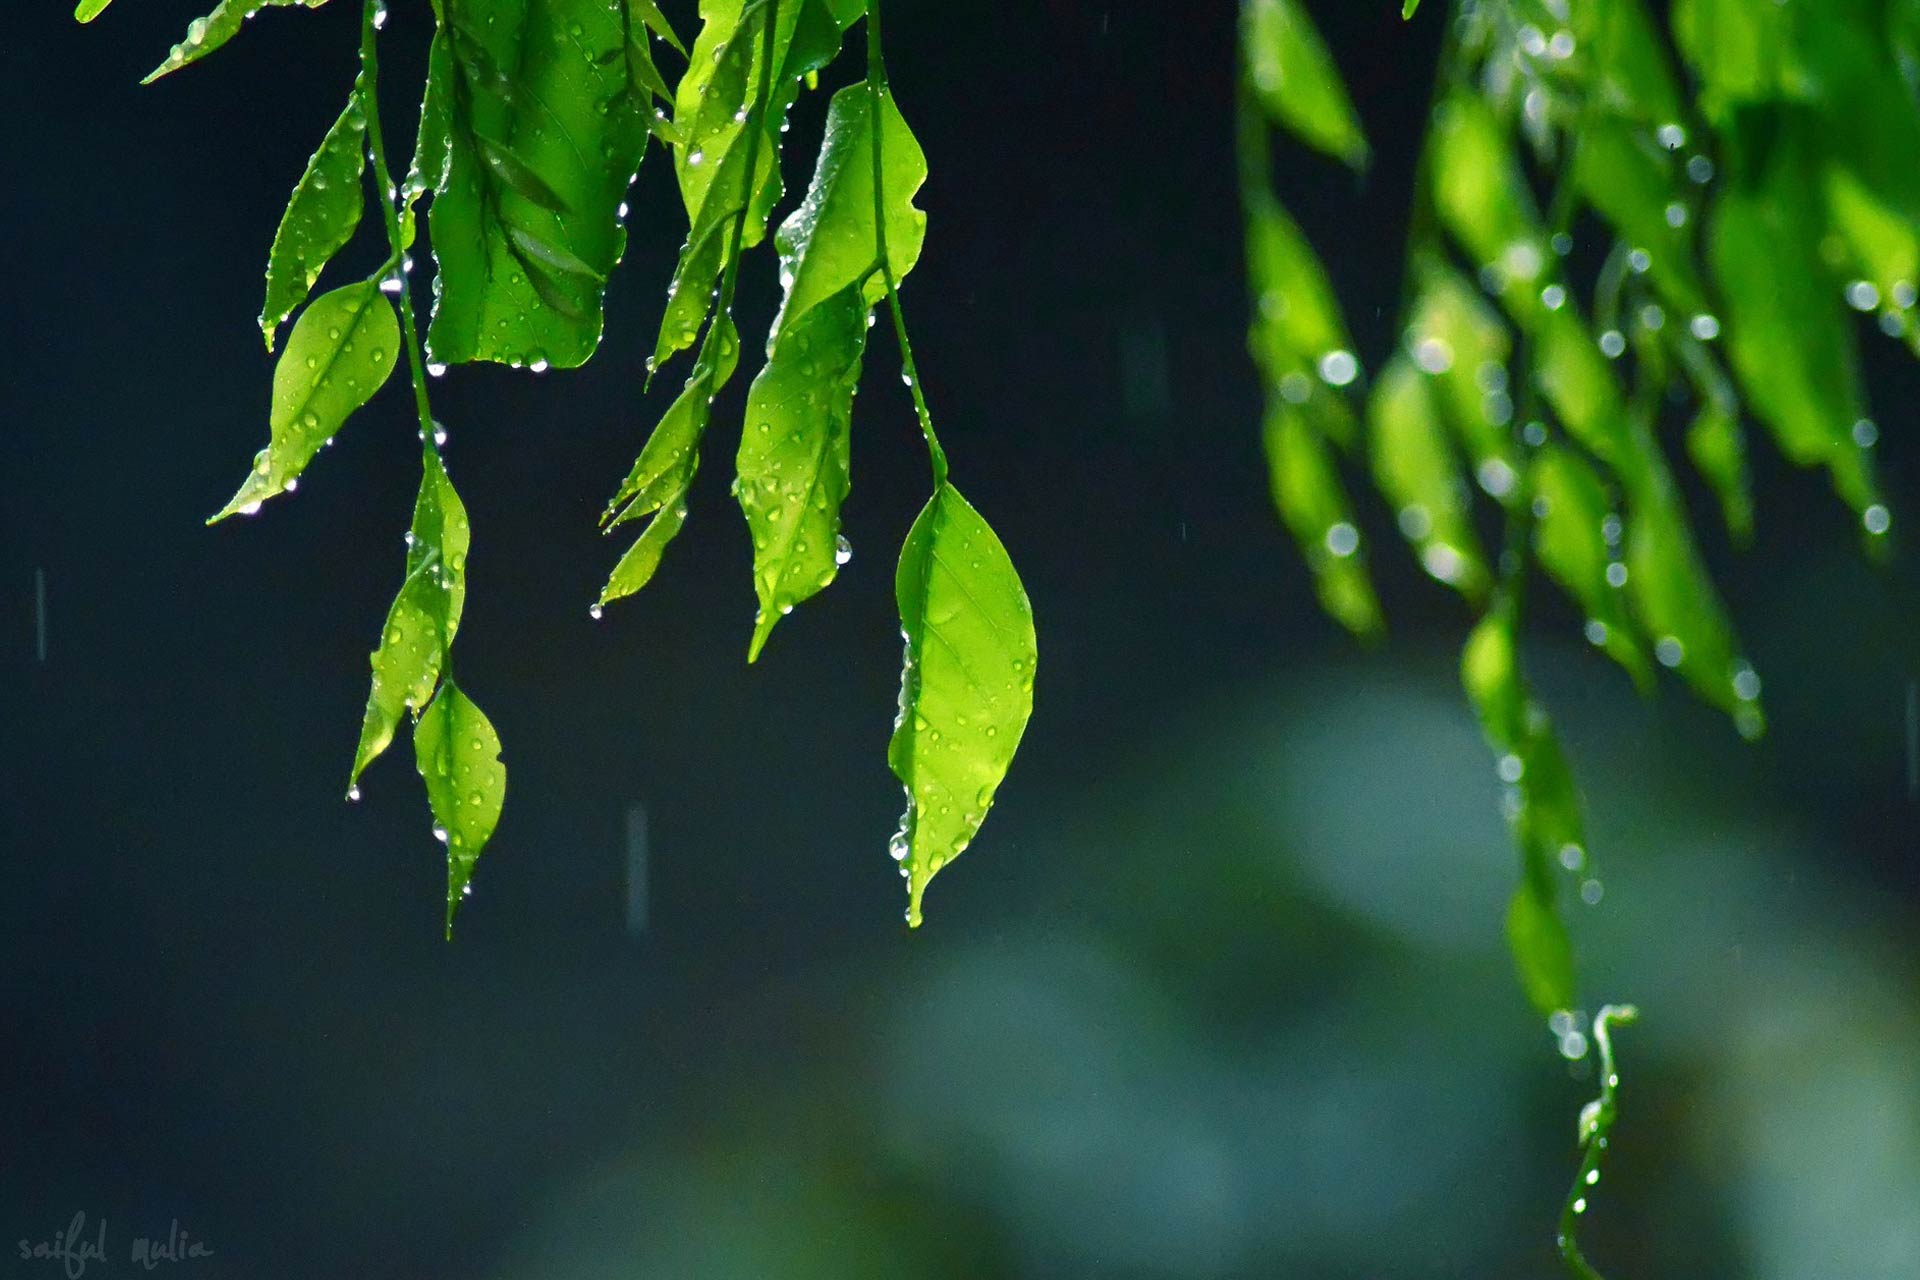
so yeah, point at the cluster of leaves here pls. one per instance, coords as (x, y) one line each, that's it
(533, 122)
(1748, 171)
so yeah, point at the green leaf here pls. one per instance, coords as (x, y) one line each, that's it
(1297, 327)
(320, 218)
(793, 463)
(1482, 197)
(1542, 952)
(1415, 469)
(1786, 334)
(204, 35)
(1718, 446)
(546, 132)
(425, 615)
(433, 143)
(88, 10)
(1307, 490)
(1736, 47)
(340, 352)
(664, 471)
(1460, 344)
(716, 108)
(1675, 599)
(966, 689)
(1296, 81)
(1629, 61)
(458, 755)
(1408, 7)
(1635, 185)
(1571, 508)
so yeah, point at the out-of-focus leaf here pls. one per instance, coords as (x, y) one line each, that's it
(1736, 47)
(1297, 325)
(1415, 469)
(204, 35)
(1636, 81)
(458, 755)
(546, 130)
(319, 220)
(966, 689)
(340, 352)
(1307, 489)
(1296, 80)
(1882, 245)
(1459, 342)
(792, 464)
(425, 614)
(1408, 7)
(1543, 806)
(1787, 335)
(1483, 200)
(1718, 446)
(1675, 599)
(1578, 382)
(1633, 183)
(1570, 510)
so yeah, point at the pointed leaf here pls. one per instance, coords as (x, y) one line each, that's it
(204, 35)
(1296, 81)
(1311, 499)
(1460, 344)
(458, 755)
(320, 218)
(1297, 324)
(1718, 445)
(433, 143)
(966, 689)
(1571, 508)
(88, 10)
(1415, 469)
(340, 351)
(425, 615)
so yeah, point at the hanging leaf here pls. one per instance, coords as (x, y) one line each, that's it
(88, 10)
(541, 157)
(458, 755)
(425, 615)
(664, 471)
(320, 218)
(1481, 196)
(204, 35)
(966, 690)
(340, 352)
(1296, 81)
(1635, 185)
(1307, 490)
(433, 143)
(1297, 327)
(1571, 509)
(1415, 469)
(1718, 445)
(792, 465)
(1460, 344)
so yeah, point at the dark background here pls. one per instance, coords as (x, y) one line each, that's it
(1219, 992)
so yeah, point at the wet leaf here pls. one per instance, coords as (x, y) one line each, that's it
(546, 131)
(88, 10)
(433, 142)
(1296, 80)
(1297, 326)
(1718, 446)
(458, 755)
(1636, 186)
(1415, 469)
(340, 352)
(1571, 507)
(425, 615)
(792, 465)
(1460, 344)
(966, 690)
(319, 220)
(1307, 490)
(204, 35)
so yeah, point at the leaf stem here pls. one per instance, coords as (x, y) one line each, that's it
(878, 91)
(1596, 1121)
(729, 278)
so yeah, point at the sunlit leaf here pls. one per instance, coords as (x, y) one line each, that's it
(1542, 952)
(340, 351)
(1571, 508)
(1415, 469)
(1296, 80)
(88, 10)
(1636, 184)
(1297, 326)
(966, 690)
(433, 142)
(425, 615)
(1307, 490)
(458, 755)
(1459, 343)
(320, 218)
(1736, 47)
(1483, 199)
(546, 131)
(204, 35)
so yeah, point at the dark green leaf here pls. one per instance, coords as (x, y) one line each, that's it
(204, 35)
(966, 690)
(425, 615)
(340, 351)
(458, 755)
(320, 218)
(1718, 446)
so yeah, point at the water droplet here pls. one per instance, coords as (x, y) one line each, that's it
(1338, 368)
(1671, 136)
(1553, 297)
(1342, 539)
(1865, 433)
(1877, 519)
(1700, 169)
(695, 157)
(842, 549)
(353, 794)
(1617, 574)
(1704, 327)
(1863, 295)
(1669, 651)
(1613, 344)
(596, 612)
(439, 833)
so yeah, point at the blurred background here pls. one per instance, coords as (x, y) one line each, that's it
(1220, 992)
